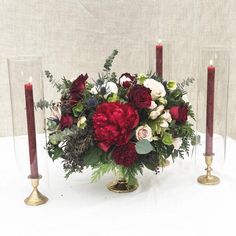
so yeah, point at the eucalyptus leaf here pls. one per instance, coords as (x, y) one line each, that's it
(143, 146)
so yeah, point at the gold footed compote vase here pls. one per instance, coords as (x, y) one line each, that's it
(121, 185)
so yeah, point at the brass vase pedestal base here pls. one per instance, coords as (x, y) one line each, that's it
(35, 198)
(121, 186)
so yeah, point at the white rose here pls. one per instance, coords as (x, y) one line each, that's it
(156, 112)
(177, 142)
(164, 124)
(167, 116)
(124, 79)
(94, 90)
(111, 87)
(157, 89)
(144, 132)
(153, 105)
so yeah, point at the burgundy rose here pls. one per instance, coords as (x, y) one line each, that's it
(77, 87)
(113, 123)
(125, 155)
(66, 121)
(126, 80)
(140, 97)
(179, 113)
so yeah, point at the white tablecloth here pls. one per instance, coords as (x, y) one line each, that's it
(170, 203)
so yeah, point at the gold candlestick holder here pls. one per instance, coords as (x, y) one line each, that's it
(35, 198)
(208, 179)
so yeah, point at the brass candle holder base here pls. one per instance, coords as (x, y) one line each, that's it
(208, 179)
(35, 198)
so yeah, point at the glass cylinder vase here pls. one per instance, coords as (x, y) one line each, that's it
(26, 89)
(212, 104)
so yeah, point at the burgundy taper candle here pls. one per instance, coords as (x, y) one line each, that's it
(159, 59)
(210, 109)
(29, 101)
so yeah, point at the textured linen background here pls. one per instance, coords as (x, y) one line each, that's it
(75, 36)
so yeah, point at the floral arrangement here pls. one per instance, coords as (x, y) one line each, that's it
(118, 123)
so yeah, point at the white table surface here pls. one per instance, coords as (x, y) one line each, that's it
(170, 203)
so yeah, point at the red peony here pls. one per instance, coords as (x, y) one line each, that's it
(125, 155)
(113, 123)
(66, 121)
(78, 86)
(140, 97)
(179, 113)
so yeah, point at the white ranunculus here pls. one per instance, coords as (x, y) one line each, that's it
(156, 112)
(157, 89)
(111, 87)
(94, 90)
(153, 105)
(144, 132)
(177, 142)
(124, 79)
(167, 116)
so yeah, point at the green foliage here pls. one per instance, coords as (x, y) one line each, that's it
(54, 151)
(163, 151)
(102, 168)
(61, 87)
(93, 156)
(185, 83)
(174, 98)
(57, 137)
(52, 125)
(42, 104)
(77, 109)
(150, 161)
(143, 146)
(108, 64)
(191, 112)
(57, 153)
